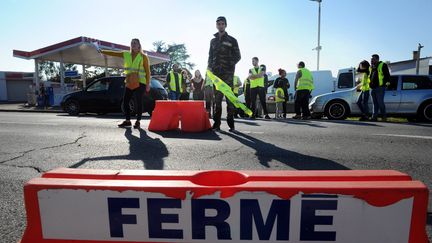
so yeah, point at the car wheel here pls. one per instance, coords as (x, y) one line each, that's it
(337, 110)
(72, 107)
(425, 112)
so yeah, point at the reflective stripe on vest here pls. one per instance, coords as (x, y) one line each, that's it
(279, 92)
(172, 83)
(135, 66)
(259, 82)
(305, 82)
(365, 83)
(236, 83)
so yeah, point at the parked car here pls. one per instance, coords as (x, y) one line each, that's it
(270, 100)
(406, 95)
(106, 95)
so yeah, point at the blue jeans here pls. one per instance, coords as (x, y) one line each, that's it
(172, 95)
(362, 103)
(378, 102)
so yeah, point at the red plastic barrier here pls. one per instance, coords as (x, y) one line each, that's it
(192, 115)
(94, 206)
(165, 116)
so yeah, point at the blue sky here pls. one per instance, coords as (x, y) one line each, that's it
(279, 32)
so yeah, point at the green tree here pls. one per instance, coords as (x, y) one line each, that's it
(51, 71)
(177, 53)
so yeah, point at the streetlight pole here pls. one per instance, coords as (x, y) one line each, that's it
(319, 47)
(418, 58)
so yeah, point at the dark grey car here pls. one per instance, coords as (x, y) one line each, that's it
(106, 95)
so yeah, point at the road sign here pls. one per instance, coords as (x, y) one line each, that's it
(71, 74)
(225, 206)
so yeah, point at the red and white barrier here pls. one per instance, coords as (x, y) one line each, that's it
(93, 206)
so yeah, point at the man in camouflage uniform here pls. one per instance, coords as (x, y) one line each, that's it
(224, 54)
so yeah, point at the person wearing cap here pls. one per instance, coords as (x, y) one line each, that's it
(303, 86)
(224, 54)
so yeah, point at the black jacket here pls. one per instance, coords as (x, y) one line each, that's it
(224, 54)
(374, 80)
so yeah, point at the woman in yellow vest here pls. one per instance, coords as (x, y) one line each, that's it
(137, 71)
(363, 86)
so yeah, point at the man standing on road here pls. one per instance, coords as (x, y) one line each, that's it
(303, 86)
(379, 76)
(224, 54)
(257, 87)
(174, 82)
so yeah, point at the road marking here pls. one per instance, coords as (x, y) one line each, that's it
(404, 136)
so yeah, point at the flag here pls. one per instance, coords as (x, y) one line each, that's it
(227, 91)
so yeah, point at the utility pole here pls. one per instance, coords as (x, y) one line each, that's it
(418, 58)
(319, 47)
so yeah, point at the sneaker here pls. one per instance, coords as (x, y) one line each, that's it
(125, 124)
(252, 117)
(296, 117)
(232, 129)
(216, 127)
(267, 117)
(306, 118)
(137, 125)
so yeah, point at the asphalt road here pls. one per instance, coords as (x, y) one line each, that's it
(31, 143)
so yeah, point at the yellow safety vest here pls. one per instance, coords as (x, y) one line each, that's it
(365, 83)
(259, 82)
(135, 66)
(236, 82)
(279, 92)
(172, 82)
(380, 73)
(305, 82)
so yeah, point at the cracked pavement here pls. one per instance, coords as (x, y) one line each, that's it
(43, 141)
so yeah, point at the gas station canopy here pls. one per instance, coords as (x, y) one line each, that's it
(82, 50)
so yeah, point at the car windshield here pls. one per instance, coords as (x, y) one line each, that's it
(100, 85)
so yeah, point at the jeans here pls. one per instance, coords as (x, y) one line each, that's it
(138, 92)
(260, 91)
(362, 103)
(172, 95)
(378, 102)
(301, 102)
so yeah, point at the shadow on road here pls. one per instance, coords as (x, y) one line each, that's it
(267, 152)
(310, 123)
(117, 116)
(151, 151)
(209, 135)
